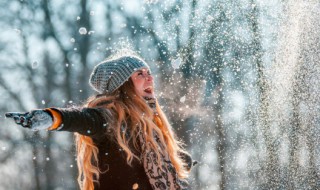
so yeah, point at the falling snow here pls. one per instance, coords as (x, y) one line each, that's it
(82, 30)
(238, 81)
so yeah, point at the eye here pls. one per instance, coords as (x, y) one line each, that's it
(139, 73)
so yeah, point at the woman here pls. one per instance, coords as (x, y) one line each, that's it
(123, 138)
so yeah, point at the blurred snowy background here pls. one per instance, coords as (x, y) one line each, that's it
(239, 81)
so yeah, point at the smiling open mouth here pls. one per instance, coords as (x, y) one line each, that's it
(148, 90)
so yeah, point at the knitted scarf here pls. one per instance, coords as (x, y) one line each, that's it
(162, 177)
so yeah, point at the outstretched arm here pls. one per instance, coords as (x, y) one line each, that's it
(86, 121)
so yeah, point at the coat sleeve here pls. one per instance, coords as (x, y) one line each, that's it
(91, 122)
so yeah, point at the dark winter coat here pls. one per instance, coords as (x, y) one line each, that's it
(94, 122)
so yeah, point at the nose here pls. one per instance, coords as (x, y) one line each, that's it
(149, 78)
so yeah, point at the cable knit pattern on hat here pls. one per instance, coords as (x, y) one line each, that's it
(109, 75)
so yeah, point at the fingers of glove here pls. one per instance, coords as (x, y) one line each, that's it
(27, 123)
(36, 119)
(23, 119)
(18, 119)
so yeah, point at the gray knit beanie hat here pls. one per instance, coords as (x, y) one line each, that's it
(109, 75)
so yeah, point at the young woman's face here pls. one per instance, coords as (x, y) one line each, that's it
(143, 83)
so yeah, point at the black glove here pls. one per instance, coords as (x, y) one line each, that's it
(151, 102)
(35, 120)
(188, 160)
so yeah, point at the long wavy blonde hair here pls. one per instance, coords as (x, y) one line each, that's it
(133, 116)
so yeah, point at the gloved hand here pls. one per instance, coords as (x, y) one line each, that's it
(35, 120)
(151, 102)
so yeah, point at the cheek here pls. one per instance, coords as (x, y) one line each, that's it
(138, 83)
